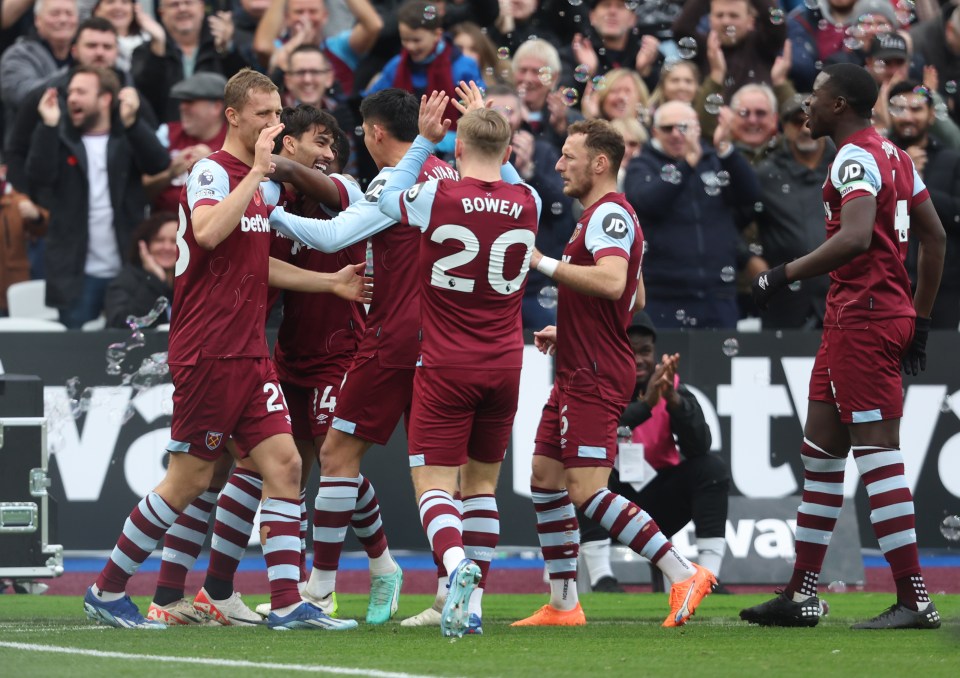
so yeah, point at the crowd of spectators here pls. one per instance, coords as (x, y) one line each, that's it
(108, 103)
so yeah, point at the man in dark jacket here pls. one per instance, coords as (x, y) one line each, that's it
(937, 40)
(689, 197)
(911, 115)
(186, 46)
(791, 219)
(665, 467)
(89, 163)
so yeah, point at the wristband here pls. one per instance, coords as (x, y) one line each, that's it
(548, 266)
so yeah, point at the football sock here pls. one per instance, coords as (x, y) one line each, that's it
(630, 525)
(181, 546)
(368, 526)
(596, 556)
(710, 552)
(559, 535)
(444, 527)
(481, 531)
(145, 526)
(475, 606)
(442, 587)
(280, 520)
(303, 535)
(335, 504)
(817, 516)
(893, 519)
(236, 508)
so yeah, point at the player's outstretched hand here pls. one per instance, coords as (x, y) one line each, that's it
(433, 126)
(914, 361)
(351, 284)
(263, 157)
(546, 340)
(767, 284)
(471, 97)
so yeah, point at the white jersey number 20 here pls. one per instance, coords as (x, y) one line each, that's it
(440, 277)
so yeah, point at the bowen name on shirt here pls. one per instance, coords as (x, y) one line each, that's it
(496, 205)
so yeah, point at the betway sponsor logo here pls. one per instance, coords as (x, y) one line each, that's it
(257, 224)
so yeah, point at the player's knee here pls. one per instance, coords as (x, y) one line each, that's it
(580, 492)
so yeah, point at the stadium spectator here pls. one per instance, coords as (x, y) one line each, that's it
(912, 117)
(520, 21)
(875, 18)
(620, 94)
(710, 94)
(90, 160)
(816, 34)
(474, 43)
(678, 81)
(537, 70)
(535, 160)
(871, 199)
(753, 125)
(21, 222)
(790, 223)
(611, 42)
(290, 23)
(748, 40)
(428, 62)
(129, 18)
(188, 43)
(27, 63)
(690, 219)
(199, 132)
(689, 482)
(576, 443)
(634, 136)
(246, 17)
(148, 273)
(96, 46)
(937, 41)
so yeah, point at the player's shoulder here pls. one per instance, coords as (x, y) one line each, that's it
(609, 207)
(857, 163)
(435, 168)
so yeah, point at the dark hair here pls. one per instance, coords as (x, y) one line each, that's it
(95, 23)
(414, 14)
(308, 48)
(302, 119)
(147, 230)
(109, 83)
(855, 84)
(601, 139)
(911, 87)
(484, 47)
(341, 146)
(394, 109)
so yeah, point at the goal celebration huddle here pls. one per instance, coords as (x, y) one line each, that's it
(434, 338)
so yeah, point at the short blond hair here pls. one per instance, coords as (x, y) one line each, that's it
(237, 91)
(485, 131)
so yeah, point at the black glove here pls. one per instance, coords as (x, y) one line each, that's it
(765, 285)
(914, 361)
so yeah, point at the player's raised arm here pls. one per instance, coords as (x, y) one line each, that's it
(358, 222)
(307, 180)
(432, 129)
(349, 283)
(212, 224)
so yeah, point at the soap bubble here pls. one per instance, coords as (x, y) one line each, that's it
(503, 53)
(837, 587)
(727, 274)
(687, 48)
(581, 73)
(429, 13)
(547, 297)
(776, 16)
(670, 174)
(570, 96)
(713, 103)
(950, 528)
(556, 209)
(731, 347)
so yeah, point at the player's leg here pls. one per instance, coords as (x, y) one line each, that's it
(106, 601)
(431, 615)
(360, 422)
(876, 449)
(181, 546)
(557, 528)
(386, 577)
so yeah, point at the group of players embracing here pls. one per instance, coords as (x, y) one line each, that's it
(441, 345)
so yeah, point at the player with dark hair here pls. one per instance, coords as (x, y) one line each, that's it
(873, 198)
(576, 442)
(225, 383)
(388, 350)
(478, 235)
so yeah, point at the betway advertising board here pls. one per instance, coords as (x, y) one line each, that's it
(106, 457)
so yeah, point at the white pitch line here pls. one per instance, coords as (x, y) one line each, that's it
(204, 661)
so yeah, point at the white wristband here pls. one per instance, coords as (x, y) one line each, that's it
(548, 266)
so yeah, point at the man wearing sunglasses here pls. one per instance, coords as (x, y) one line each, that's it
(689, 196)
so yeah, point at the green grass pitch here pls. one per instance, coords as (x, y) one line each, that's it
(623, 638)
